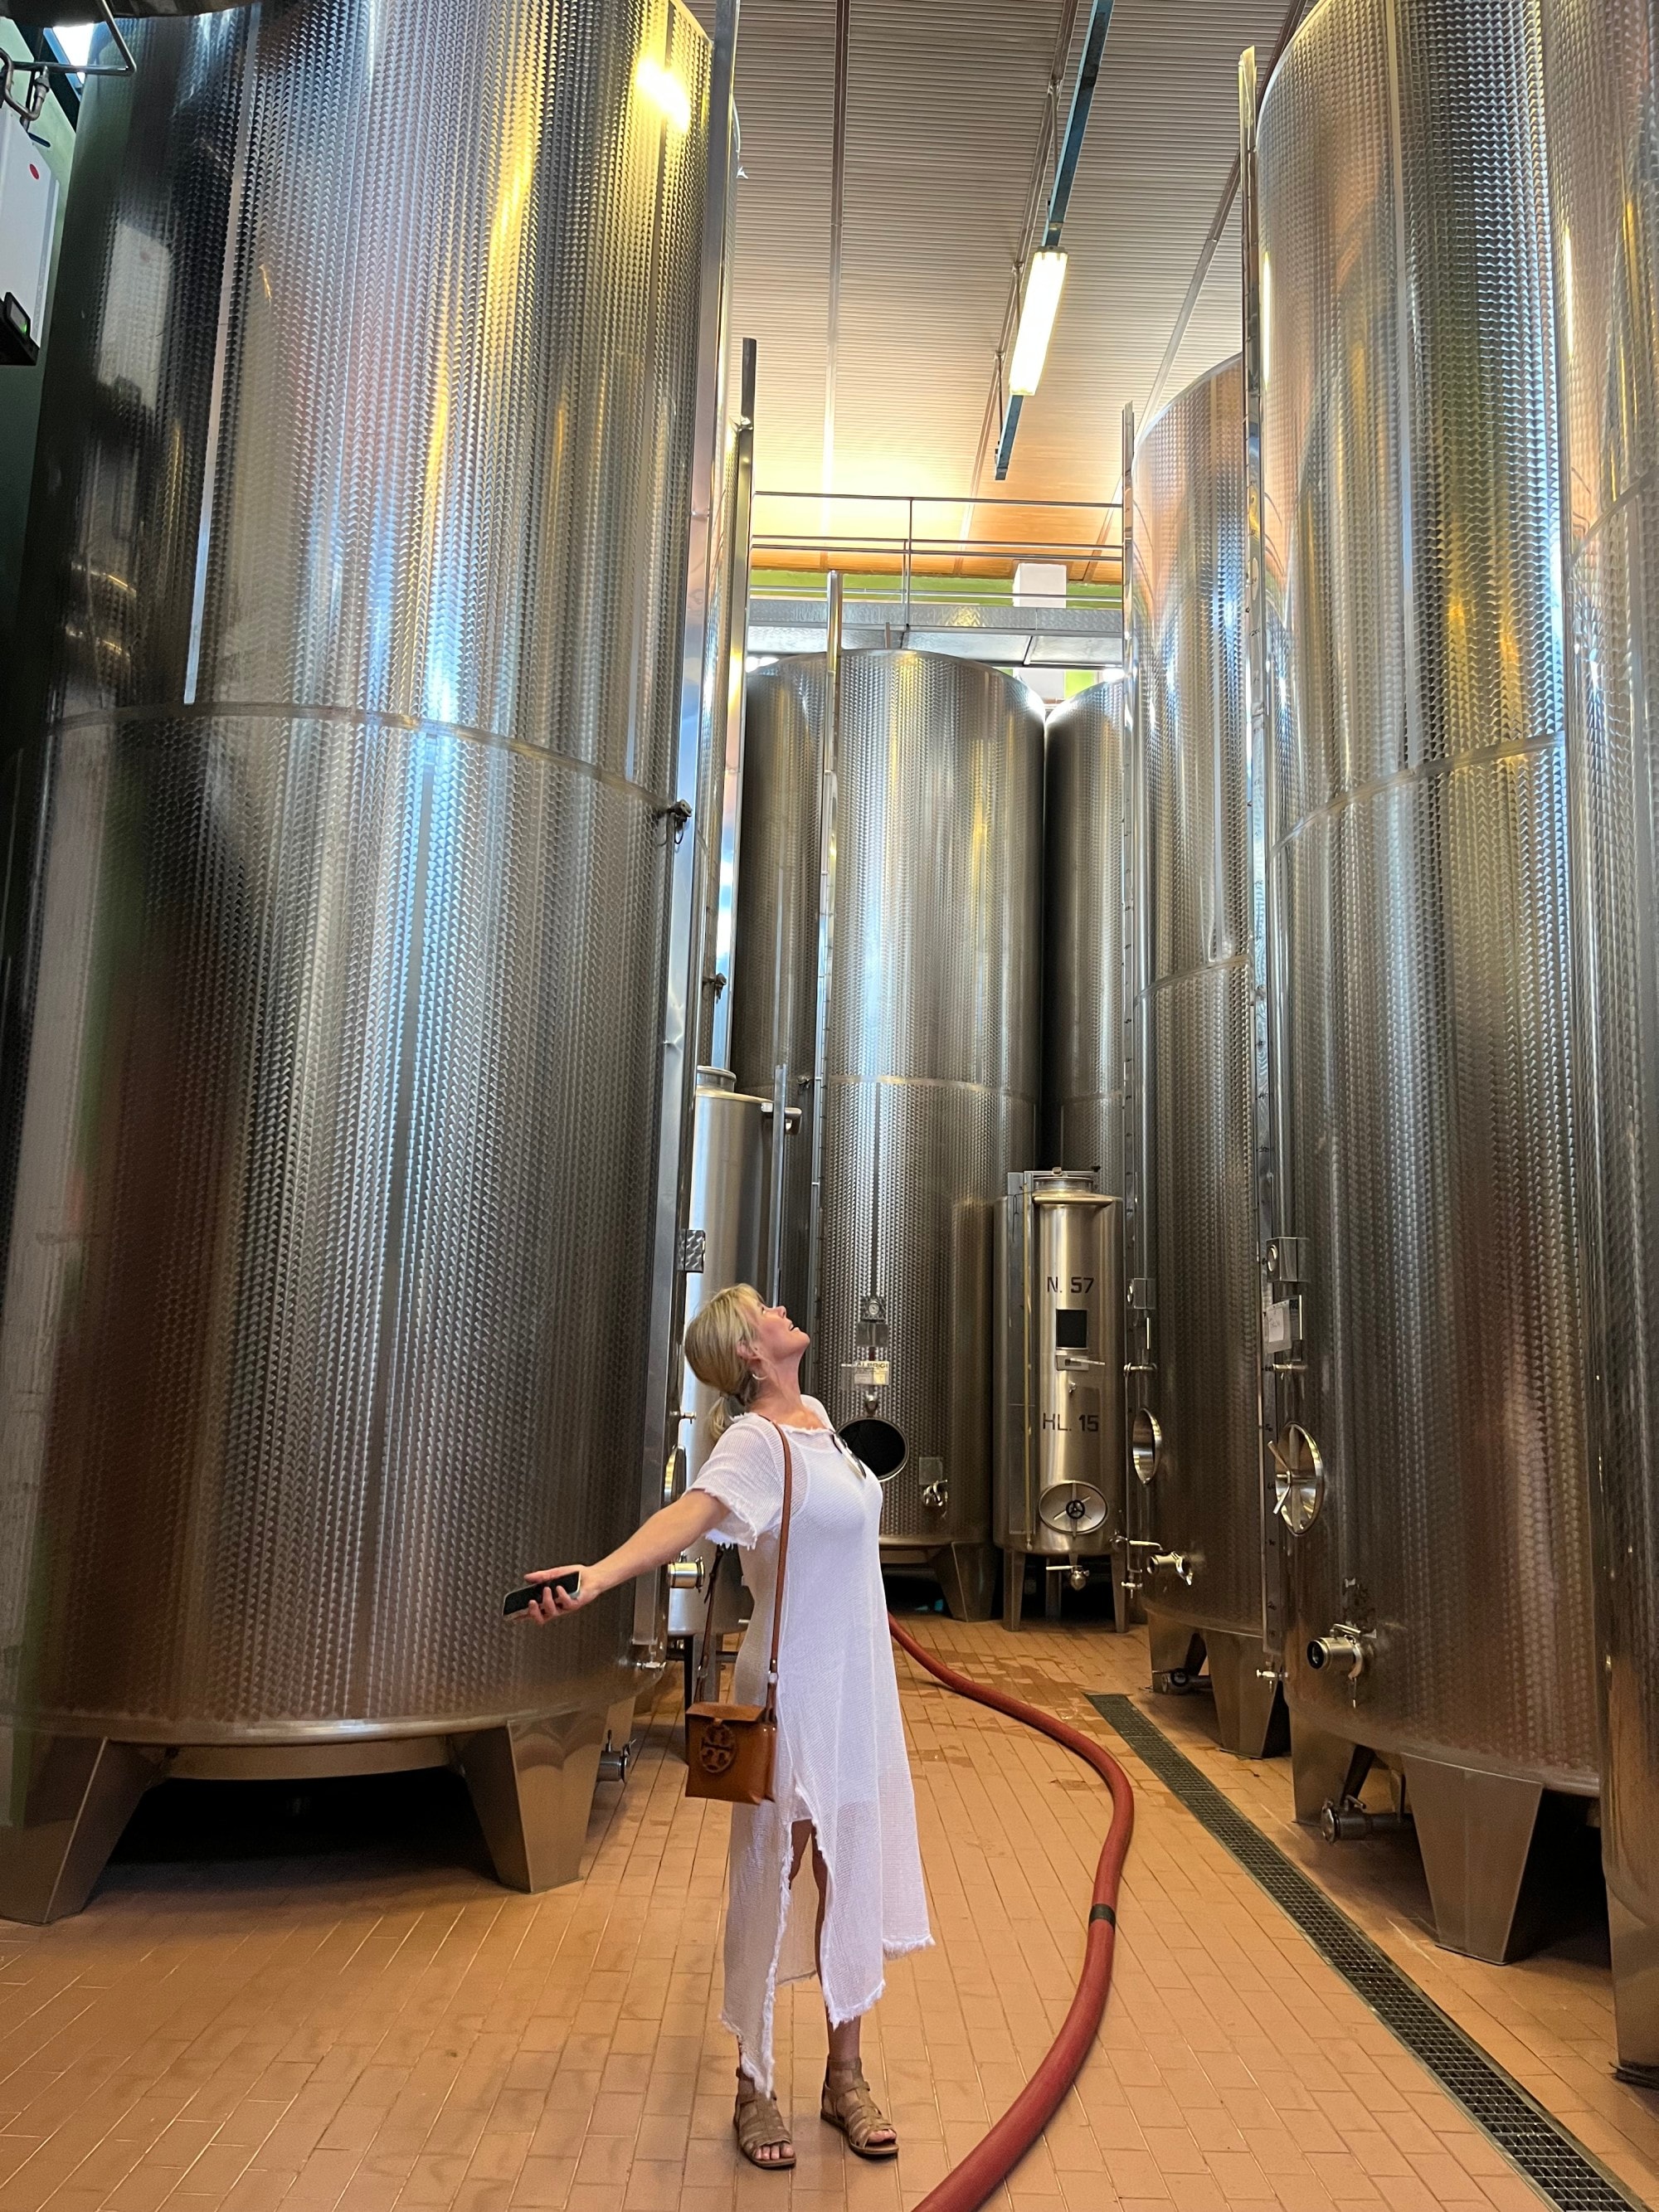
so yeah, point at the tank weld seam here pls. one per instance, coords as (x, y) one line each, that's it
(1633, 491)
(1564, 2169)
(1166, 983)
(1404, 778)
(927, 1083)
(378, 718)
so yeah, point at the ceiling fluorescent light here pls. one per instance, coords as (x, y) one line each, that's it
(664, 90)
(1036, 321)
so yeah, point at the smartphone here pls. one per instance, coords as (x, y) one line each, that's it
(518, 1601)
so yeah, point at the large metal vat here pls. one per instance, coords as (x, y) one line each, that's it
(1196, 1509)
(1602, 89)
(929, 1094)
(1083, 934)
(775, 956)
(1057, 1374)
(932, 1067)
(1439, 1593)
(359, 565)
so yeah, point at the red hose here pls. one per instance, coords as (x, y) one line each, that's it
(995, 2155)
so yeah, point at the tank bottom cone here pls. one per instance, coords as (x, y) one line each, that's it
(1635, 1993)
(1487, 1839)
(1250, 1706)
(531, 1785)
(966, 1573)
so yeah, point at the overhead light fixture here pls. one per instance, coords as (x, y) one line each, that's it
(664, 90)
(1036, 322)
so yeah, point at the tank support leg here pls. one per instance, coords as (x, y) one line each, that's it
(619, 1724)
(1248, 1710)
(1014, 1587)
(1476, 1833)
(968, 1575)
(1174, 1648)
(1324, 1769)
(531, 1783)
(69, 1798)
(1635, 1993)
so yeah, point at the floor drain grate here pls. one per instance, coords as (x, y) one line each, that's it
(1552, 2159)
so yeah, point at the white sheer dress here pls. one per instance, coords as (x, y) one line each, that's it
(840, 1755)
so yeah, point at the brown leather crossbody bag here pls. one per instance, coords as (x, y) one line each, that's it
(729, 1750)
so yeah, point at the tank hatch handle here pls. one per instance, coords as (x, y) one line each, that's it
(1142, 1300)
(1282, 1318)
(869, 1371)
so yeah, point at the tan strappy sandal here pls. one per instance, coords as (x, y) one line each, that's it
(758, 2125)
(851, 2108)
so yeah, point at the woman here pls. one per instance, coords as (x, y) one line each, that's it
(841, 1785)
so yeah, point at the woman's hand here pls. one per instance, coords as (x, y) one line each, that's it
(552, 1600)
(664, 1536)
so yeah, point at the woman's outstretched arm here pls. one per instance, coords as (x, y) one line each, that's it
(662, 1537)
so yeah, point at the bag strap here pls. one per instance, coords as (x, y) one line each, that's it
(700, 1679)
(777, 1595)
(783, 1561)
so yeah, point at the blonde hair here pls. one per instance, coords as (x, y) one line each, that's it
(714, 1338)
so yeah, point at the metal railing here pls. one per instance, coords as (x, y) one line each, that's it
(970, 542)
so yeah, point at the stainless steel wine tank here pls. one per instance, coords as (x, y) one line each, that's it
(1438, 1578)
(932, 1051)
(337, 971)
(1194, 1500)
(1083, 889)
(775, 952)
(1601, 88)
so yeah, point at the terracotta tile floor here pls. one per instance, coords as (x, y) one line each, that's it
(379, 2026)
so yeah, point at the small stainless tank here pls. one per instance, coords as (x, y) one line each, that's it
(1058, 1376)
(1438, 1601)
(1601, 93)
(729, 1155)
(1195, 1507)
(1083, 891)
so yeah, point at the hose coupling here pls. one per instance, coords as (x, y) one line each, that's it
(686, 1574)
(1344, 1647)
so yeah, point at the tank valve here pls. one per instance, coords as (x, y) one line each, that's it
(935, 1496)
(1175, 1563)
(1350, 1822)
(1078, 1578)
(1344, 1647)
(685, 1574)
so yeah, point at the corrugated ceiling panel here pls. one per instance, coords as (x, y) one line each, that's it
(945, 104)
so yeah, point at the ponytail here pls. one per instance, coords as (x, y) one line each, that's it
(714, 1339)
